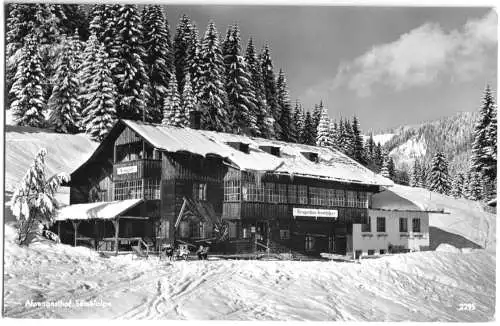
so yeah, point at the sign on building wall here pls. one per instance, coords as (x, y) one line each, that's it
(314, 212)
(126, 169)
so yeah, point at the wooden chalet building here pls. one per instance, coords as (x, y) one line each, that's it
(162, 184)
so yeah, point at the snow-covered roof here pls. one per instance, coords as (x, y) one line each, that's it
(332, 165)
(97, 210)
(389, 201)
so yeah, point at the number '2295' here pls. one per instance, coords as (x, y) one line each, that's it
(466, 307)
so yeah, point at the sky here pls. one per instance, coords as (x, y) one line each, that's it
(388, 65)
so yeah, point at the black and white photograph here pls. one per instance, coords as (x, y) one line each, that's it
(208, 161)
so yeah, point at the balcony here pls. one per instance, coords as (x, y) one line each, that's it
(137, 169)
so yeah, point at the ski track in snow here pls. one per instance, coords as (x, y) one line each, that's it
(425, 286)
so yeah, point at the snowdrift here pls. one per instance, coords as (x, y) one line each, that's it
(465, 218)
(425, 286)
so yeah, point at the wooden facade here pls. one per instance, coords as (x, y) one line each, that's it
(128, 166)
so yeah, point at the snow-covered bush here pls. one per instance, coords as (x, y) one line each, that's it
(33, 203)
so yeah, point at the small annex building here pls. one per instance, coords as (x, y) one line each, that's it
(165, 184)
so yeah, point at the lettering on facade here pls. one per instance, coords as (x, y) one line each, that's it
(314, 212)
(126, 170)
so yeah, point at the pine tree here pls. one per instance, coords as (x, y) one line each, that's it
(188, 99)
(457, 185)
(438, 179)
(385, 167)
(334, 134)
(358, 149)
(64, 102)
(341, 136)
(99, 114)
(20, 22)
(183, 41)
(316, 116)
(33, 202)
(158, 56)
(75, 20)
(378, 157)
(98, 22)
(285, 108)
(391, 168)
(482, 162)
(308, 134)
(323, 131)
(129, 74)
(348, 139)
(240, 94)
(27, 90)
(415, 174)
(212, 95)
(269, 82)
(299, 117)
(87, 70)
(265, 121)
(475, 187)
(369, 149)
(173, 112)
(194, 60)
(465, 187)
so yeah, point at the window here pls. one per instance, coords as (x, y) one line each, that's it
(200, 191)
(184, 229)
(309, 242)
(380, 224)
(382, 251)
(197, 229)
(339, 199)
(233, 230)
(131, 189)
(284, 234)
(362, 201)
(351, 198)
(367, 226)
(246, 233)
(403, 224)
(152, 189)
(292, 194)
(253, 192)
(271, 192)
(371, 252)
(317, 196)
(281, 188)
(232, 190)
(302, 194)
(416, 225)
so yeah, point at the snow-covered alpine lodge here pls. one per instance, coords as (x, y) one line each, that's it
(162, 184)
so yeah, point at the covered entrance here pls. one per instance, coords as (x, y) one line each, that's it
(104, 226)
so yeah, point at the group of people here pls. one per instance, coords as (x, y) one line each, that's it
(182, 252)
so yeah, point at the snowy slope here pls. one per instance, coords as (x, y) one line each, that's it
(466, 218)
(64, 154)
(426, 286)
(380, 138)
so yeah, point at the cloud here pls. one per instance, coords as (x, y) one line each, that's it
(423, 56)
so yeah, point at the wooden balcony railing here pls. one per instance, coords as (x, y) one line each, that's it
(138, 169)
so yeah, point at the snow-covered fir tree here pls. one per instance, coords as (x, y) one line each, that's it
(333, 131)
(323, 132)
(64, 104)
(378, 157)
(384, 171)
(348, 139)
(129, 74)
(475, 186)
(308, 132)
(439, 179)
(158, 56)
(99, 113)
(482, 161)
(20, 22)
(357, 142)
(265, 121)
(269, 82)
(415, 174)
(75, 20)
(316, 116)
(285, 108)
(87, 69)
(173, 112)
(212, 95)
(299, 117)
(369, 149)
(27, 91)
(242, 104)
(97, 20)
(341, 136)
(188, 99)
(33, 202)
(457, 185)
(194, 60)
(183, 41)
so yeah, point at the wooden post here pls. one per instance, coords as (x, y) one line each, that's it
(75, 228)
(116, 224)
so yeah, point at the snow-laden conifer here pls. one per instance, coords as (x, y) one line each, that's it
(323, 132)
(64, 103)
(269, 82)
(357, 142)
(173, 112)
(439, 179)
(457, 185)
(285, 108)
(212, 96)
(188, 99)
(99, 114)
(27, 90)
(33, 202)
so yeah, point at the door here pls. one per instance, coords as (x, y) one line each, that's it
(261, 232)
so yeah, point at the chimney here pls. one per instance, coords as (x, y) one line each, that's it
(195, 119)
